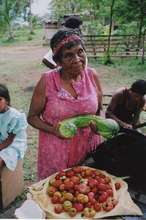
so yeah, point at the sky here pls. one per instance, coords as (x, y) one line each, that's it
(40, 7)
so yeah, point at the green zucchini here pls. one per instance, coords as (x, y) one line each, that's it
(107, 128)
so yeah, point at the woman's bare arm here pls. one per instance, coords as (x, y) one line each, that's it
(36, 108)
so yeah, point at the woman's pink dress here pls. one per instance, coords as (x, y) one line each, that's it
(55, 153)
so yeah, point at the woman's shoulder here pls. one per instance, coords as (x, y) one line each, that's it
(92, 74)
(50, 78)
(51, 73)
(91, 70)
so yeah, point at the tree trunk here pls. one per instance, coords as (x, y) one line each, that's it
(108, 61)
(139, 40)
(8, 21)
(10, 32)
(143, 47)
(141, 22)
(31, 31)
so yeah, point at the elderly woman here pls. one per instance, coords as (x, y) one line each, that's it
(70, 90)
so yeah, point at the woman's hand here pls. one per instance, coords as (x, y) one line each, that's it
(55, 131)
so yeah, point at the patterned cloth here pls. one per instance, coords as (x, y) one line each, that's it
(12, 121)
(55, 153)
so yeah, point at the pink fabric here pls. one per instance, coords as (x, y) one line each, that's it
(55, 153)
(66, 40)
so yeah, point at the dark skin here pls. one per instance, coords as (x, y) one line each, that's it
(3, 108)
(134, 99)
(7, 141)
(73, 63)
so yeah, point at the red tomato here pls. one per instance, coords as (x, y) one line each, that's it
(103, 197)
(75, 179)
(89, 205)
(66, 180)
(88, 172)
(57, 177)
(77, 169)
(108, 207)
(93, 201)
(62, 187)
(60, 175)
(51, 190)
(114, 202)
(91, 195)
(101, 175)
(58, 208)
(68, 185)
(97, 207)
(83, 188)
(92, 182)
(94, 190)
(55, 199)
(117, 185)
(109, 192)
(102, 187)
(57, 183)
(69, 173)
(78, 206)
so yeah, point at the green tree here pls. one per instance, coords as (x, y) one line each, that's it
(9, 10)
(128, 11)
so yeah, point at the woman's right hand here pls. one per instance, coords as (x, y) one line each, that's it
(55, 131)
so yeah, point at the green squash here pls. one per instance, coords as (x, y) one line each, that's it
(107, 128)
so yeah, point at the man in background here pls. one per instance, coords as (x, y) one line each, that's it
(72, 23)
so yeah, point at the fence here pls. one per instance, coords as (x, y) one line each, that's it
(120, 46)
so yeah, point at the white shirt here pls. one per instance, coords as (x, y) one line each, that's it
(49, 56)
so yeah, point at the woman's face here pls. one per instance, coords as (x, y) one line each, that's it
(3, 104)
(73, 59)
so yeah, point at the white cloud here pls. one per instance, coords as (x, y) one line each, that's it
(40, 7)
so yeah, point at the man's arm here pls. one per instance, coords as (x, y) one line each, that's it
(48, 64)
(110, 112)
(48, 60)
